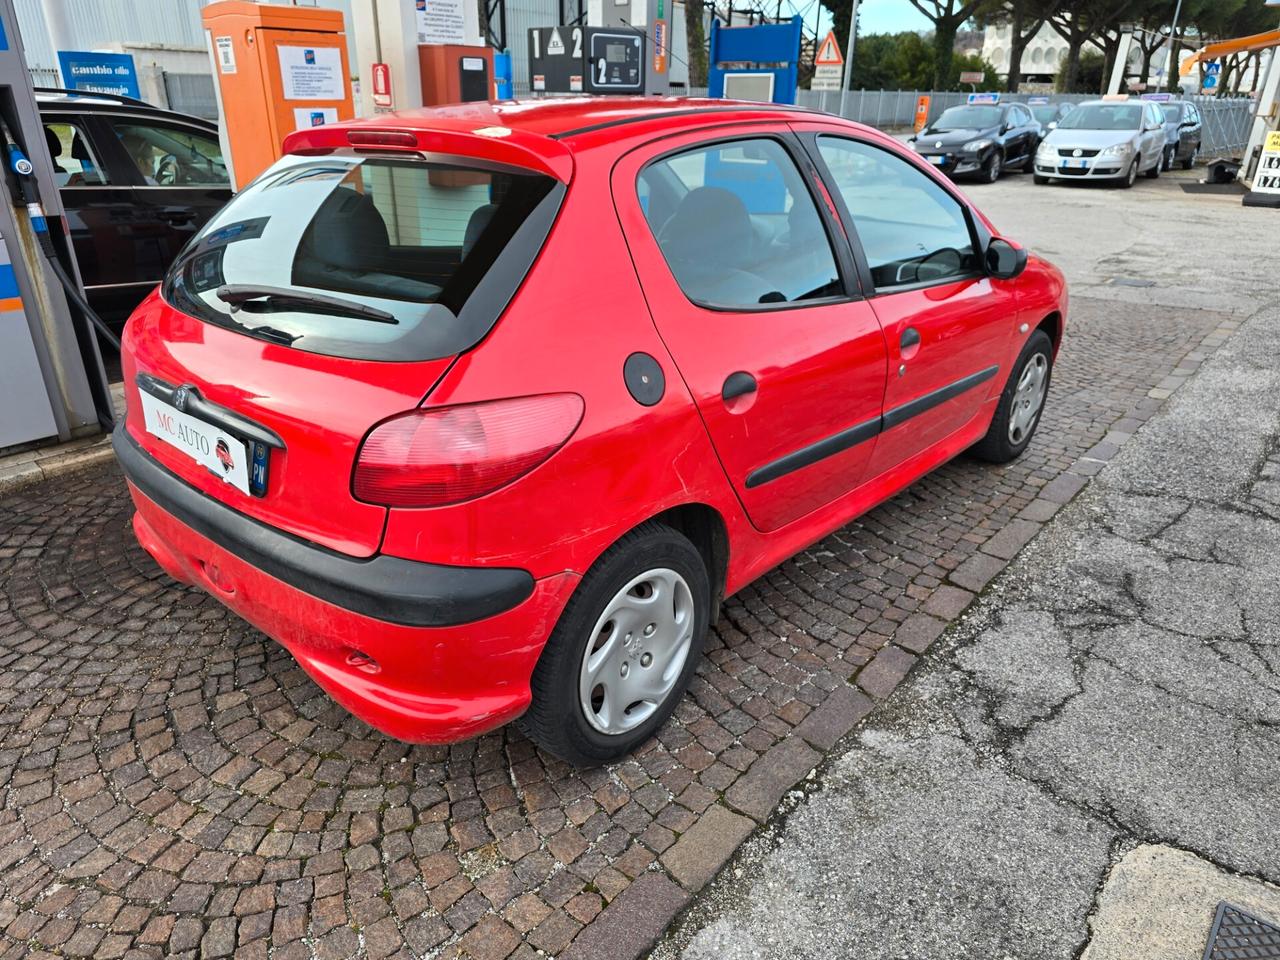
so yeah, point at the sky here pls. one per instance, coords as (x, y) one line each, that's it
(879, 16)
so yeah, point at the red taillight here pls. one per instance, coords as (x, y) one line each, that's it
(382, 138)
(434, 457)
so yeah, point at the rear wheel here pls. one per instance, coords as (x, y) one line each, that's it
(624, 649)
(1018, 413)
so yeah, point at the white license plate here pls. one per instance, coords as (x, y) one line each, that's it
(223, 455)
(1076, 164)
(938, 161)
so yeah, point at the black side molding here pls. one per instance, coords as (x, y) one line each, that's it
(862, 432)
(386, 588)
(940, 396)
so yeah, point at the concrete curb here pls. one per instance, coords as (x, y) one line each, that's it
(21, 470)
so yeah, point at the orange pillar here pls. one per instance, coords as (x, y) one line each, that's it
(278, 69)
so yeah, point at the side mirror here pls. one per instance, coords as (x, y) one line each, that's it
(1053, 124)
(1004, 260)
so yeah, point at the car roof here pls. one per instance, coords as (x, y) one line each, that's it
(90, 102)
(563, 117)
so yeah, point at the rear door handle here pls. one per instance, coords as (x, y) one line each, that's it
(737, 385)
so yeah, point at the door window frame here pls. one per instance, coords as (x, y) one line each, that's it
(979, 235)
(847, 268)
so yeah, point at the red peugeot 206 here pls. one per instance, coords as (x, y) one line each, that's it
(481, 411)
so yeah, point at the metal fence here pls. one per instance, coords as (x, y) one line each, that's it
(191, 93)
(1226, 121)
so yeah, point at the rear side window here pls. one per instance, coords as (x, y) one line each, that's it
(173, 156)
(738, 227)
(912, 231)
(368, 257)
(74, 163)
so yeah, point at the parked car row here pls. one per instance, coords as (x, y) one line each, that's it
(1115, 138)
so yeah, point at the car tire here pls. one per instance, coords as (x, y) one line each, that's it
(1170, 155)
(1191, 159)
(1021, 403)
(993, 167)
(1131, 175)
(1039, 180)
(654, 558)
(1154, 172)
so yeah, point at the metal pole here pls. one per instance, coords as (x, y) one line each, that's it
(848, 57)
(58, 25)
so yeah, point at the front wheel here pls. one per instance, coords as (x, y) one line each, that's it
(992, 169)
(1131, 175)
(1170, 154)
(1191, 159)
(624, 649)
(1018, 412)
(1154, 172)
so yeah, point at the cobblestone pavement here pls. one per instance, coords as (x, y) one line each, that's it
(171, 783)
(1090, 760)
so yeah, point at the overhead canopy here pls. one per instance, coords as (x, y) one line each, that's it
(1224, 48)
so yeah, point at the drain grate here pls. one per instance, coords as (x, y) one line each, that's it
(1237, 935)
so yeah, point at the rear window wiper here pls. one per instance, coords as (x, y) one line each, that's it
(239, 294)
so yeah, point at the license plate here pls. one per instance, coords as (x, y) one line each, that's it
(1076, 164)
(225, 456)
(938, 161)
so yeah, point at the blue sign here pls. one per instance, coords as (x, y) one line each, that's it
(984, 98)
(1210, 82)
(1158, 97)
(1212, 69)
(1037, 101)
(768, 48)
(309, 56)
(99, 72)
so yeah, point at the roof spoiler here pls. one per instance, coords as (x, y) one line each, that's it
(500, 144)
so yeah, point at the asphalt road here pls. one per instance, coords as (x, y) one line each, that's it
(1089, 760)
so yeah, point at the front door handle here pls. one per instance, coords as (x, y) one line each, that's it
(910, 338)
(737, 384)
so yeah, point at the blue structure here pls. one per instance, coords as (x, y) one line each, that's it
(502, 76)
(99, 72)
(767, 50)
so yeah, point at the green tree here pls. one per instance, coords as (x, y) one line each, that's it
(1087, 75)
(948, 16)
(1024, 19)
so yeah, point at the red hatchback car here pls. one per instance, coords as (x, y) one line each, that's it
(482, 411)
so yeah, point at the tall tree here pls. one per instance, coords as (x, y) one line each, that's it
(1024, 18)
(696, 42)
(948, 17)
(1081, 21)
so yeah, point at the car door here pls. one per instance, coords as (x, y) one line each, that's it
(1188, 131)
(1021, 135)
(733, 245)
(949, 328)
(1154, 136)
(101, 216)
(180, 180)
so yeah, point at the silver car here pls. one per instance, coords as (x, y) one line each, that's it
(1104, 140)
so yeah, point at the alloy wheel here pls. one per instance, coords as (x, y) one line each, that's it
(1028, 398)
(637, 651)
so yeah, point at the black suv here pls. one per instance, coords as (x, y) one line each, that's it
(980, 140)
(136, 182)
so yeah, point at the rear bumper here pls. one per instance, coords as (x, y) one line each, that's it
(387, 588)
(420, 683)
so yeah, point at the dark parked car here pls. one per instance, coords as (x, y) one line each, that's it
(1048, 115)
(980, 140)
(1182, 130)
(136, 183)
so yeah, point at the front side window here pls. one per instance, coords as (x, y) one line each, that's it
(173, 156)
(912, 231)
(738, 227)
(74, 164)
(366, 257)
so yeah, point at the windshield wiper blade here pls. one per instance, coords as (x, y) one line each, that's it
(238, 294)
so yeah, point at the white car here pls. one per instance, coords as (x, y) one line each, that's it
(1104, 140)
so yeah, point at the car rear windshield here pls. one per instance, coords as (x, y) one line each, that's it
(370, 258)
(1172, 112)
(967, 118)
(1103, 116)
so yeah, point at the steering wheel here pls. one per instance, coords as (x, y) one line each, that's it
(166, 174)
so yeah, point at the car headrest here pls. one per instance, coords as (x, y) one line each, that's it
(480, 218)
(709, 224)
(347, 232)
(55, 145)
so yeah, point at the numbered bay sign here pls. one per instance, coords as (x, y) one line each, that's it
(556, 59)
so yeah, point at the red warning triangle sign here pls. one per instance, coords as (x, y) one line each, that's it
(829, 54)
